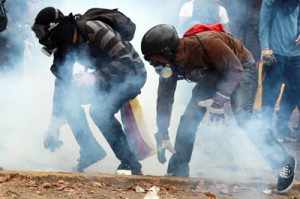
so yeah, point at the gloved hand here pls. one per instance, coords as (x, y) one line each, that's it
(85, 80)
(215, 107)
(267, 57)
(163, 143)
(51, 140)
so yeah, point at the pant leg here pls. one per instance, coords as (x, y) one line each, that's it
(186, 132)
(242, 101)
(271, 88)
(77, 120)
(102, 110)
(291, 96)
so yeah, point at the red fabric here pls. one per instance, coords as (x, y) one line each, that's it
(204, 27)
(134, 137)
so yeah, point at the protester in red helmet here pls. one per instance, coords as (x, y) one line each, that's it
(118, 76)
(224, 71)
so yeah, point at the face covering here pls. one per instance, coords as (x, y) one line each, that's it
(164, 71)
(49, 43)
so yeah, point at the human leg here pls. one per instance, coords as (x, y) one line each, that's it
(271, 88)
(102, 111)
(186, 132)
(290, 98)
(90, 150)
(278, 158)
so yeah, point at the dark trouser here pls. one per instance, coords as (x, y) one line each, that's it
(67, 104)
(242, 100)
(106, 105)
(291, 95)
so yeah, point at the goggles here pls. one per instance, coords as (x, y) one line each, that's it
(39, 30)
(42, 30)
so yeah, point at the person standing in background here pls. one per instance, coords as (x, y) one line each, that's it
(279, 37)
(202, 11)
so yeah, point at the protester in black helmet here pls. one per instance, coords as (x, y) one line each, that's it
(55, 31)
(118, 74)
(223, 70)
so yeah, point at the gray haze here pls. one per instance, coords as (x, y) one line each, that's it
(26, 110)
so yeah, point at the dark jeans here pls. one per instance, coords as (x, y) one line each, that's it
(289, 69)
(242, 100)
(103, 108)
(67, 103)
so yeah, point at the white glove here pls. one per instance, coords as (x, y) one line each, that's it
(215, 107)
(163, 143)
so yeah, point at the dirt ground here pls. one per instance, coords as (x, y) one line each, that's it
(73, 185)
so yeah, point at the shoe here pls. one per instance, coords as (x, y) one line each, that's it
(286, 138)
(180, 170)
(87, 159)
(126, 169)
(170, 174)
(286, 176)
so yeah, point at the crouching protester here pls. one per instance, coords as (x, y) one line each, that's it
(223, 70)
(117, 75)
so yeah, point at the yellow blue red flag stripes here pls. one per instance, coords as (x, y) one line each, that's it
(136, 130)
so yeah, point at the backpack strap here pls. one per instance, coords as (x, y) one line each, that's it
(204, 49)
(80, 26)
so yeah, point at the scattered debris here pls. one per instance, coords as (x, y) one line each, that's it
(152, 193)
(4, 178)
(139, 189)
(210, 195)
(223, 189)
(267, 191)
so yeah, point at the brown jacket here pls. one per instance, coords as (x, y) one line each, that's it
(215, 58)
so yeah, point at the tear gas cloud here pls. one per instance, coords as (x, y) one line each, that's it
(26, 102)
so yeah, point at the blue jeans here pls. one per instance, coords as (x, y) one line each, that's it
(286, 70)
(242, 100)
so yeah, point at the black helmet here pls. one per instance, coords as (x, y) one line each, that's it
(160, 40)
(46, 19)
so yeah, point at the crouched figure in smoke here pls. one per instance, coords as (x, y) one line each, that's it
(223, 70)
(118, 76)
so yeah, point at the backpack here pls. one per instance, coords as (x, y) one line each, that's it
(201, 28)
(114, 18)
(3, 16)
(204, 27)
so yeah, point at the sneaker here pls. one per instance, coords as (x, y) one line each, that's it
(87, 159)
(286, 176)
(126, 169)
(286, 138)
(170, 174)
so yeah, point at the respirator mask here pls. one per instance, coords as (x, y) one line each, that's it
(47, 37)
(164, 71)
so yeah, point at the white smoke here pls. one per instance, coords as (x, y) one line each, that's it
(26, 104)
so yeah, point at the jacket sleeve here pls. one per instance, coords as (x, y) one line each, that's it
(62, 68)
(264, 24)
(227, 63)
(165, 99)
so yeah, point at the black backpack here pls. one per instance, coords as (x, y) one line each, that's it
(114, 18)
(3, 16)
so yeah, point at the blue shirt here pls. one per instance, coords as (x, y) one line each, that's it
(279, 36)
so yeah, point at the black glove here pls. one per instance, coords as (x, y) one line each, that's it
(51, 140)
(163, 143)
(268, 58)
